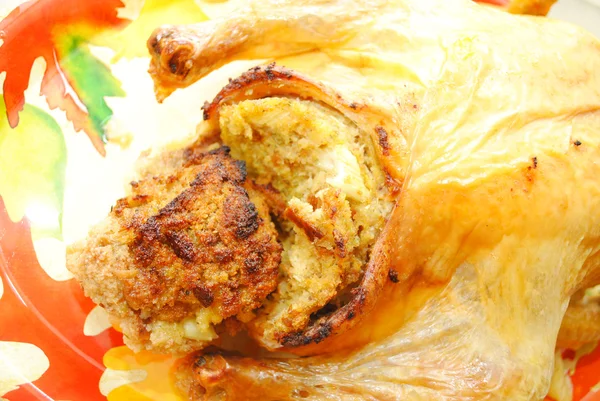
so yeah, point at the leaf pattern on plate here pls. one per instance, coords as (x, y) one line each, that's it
(155, 386)
(58, 33)
(20, 363)
(35, 154)
(96, 322)
(50, 314)
(90, 79)
(51, 254)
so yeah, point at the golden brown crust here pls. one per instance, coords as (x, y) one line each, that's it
(210, 224)
(196, 237)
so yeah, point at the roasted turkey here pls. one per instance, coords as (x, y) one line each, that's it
(432, 171)
(485, 127)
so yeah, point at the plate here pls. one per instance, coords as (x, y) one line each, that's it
(77, 109)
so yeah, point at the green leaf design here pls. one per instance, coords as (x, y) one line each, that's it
(32, 170)
(91, 79)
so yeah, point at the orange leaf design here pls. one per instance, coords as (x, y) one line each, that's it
(138, 377)
(49, 314)
(32, 30)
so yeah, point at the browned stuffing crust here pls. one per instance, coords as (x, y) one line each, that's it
(196, 237)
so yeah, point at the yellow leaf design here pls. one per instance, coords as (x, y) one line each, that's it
(96, 322)
(20, 363)
(33, 155)
(131, 41)
(51, 253)
(138, 377)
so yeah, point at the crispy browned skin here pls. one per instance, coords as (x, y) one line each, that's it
(196, 237)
